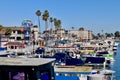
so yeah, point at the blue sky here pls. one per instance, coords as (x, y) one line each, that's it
(95, 15)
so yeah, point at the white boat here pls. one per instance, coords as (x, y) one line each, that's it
(95, 77)
(116, 44)
(107, 72)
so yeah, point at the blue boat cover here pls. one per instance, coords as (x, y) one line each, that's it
(95, 60)
(105, 52)
(2, 49)
(74, 61)
(40, 50)
(66, 78)
(60, 56)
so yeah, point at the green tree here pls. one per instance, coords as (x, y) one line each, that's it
(108, 34)
(1, 27)
(57, 24)
(94, 36)
(8, 31)
(112, 34)
(99, 35)
(117, 34)
(81, 29)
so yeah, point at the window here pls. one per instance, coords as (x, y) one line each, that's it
(12, 37)
(13, 31)
(19, 32)
(18, 38)
(12, 47)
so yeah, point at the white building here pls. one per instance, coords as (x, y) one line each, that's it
(81, 34)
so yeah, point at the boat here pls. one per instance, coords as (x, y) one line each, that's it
(107, 72)
(96, 77)
(108, 55)
(7, 54)
(26, 69)
(116, 44)
(80, 72)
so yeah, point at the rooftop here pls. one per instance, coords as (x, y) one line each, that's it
(5, 61)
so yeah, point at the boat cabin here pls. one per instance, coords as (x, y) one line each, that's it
(26, 69)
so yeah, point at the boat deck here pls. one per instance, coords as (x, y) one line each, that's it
(73, 69)
(24, 61)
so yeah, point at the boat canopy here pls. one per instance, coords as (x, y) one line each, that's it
(40, 50)
(105, 52)
(74, 61)
(61, 41)
(95, 60)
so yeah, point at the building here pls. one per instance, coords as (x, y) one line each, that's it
(60, 33)
(81, 35)
(85, 35)
(34, 29)
(21, 37)
(17, 38)
(16, 34)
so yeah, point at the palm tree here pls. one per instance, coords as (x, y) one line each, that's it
(45, 18)
(55, 23)
(51, 20)
(117, 34)
(59, 24)
(59, 27)
(38, 13)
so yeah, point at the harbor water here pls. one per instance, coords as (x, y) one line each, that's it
(116, 65)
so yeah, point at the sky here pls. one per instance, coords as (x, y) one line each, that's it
(95, 15)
